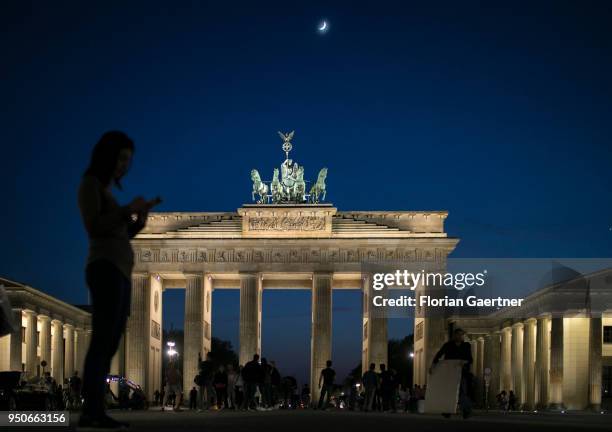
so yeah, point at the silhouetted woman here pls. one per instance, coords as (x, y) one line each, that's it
(109, 227)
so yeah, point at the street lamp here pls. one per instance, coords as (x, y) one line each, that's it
(171, 351)
(411, 354)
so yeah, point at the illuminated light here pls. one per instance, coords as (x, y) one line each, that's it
(170, 343)
(411, 355)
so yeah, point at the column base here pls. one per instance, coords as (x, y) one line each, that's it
(595, 407)
(556, 407)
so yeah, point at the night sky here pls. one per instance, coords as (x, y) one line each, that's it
(499, 112)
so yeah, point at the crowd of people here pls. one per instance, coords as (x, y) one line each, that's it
(259, 385)
(506, 401)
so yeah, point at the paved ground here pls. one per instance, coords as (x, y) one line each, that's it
(319, 421)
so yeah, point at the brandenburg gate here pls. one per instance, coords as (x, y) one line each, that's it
(287, 239)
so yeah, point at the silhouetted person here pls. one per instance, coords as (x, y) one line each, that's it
(370, 384)
(193, 399)
(275, 378)
(511, 401)
(251, 375)
(458, 349)
(326, 384)
(173, 387)
(265, 383)
(208, 394)
(220, 383)
(232, 378)
(108, 273)
(387, 387)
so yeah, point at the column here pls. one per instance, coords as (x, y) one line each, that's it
(542, 362)
(595, 362)
(45, 341)
(137, 346)
(493, 361)
(250, 316)
(506, 359)
(57, 351)
(82, 345)
(321, 330)
(374, 329)
(208, 292)
(479, 371)
(69, 350)
(193, 344)
(517, 362)
(30, 340)
(556, 363)
(15, 359)
(474, 348)
(529, 357)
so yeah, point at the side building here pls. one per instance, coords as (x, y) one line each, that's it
(50, 330)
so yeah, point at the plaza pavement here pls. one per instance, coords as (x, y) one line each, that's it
(323, 421)
(340, 421)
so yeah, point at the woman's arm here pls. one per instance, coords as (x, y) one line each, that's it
(90, 203)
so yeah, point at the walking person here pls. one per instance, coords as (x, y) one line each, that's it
(239, 388)
(250, 374)
(387, 389)
(458, 349)
(173, 387)
(232, 377)
(370, 384)
(208, 394)
(110, 260)
(326, 384)
(193, 398)
(220, 384)
(265, 384)
(276, 383)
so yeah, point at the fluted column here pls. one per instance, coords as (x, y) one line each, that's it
(529, 357)
(375, 343)
(595, 362)
(57, 351)
(208, 293)
(556, 363)
(45, 340)
(194, 327)
(30, 340)
(137, 346)
(82, 344)
(493, 361)
(68, 350)
(15, 359)
(478, 371)
(250, 316)
(542, 362)
(517, 361)
(506, 359)
(321, 330)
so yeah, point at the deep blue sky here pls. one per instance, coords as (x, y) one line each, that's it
(499, 112)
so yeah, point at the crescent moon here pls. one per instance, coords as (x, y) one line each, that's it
(323, 26)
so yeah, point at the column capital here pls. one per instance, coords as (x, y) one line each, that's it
(68, 326)
(29, 312)
(194, 275)
(530, 321)
(44, 317)
(517, 325)
(247, 275)
(136, 275)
